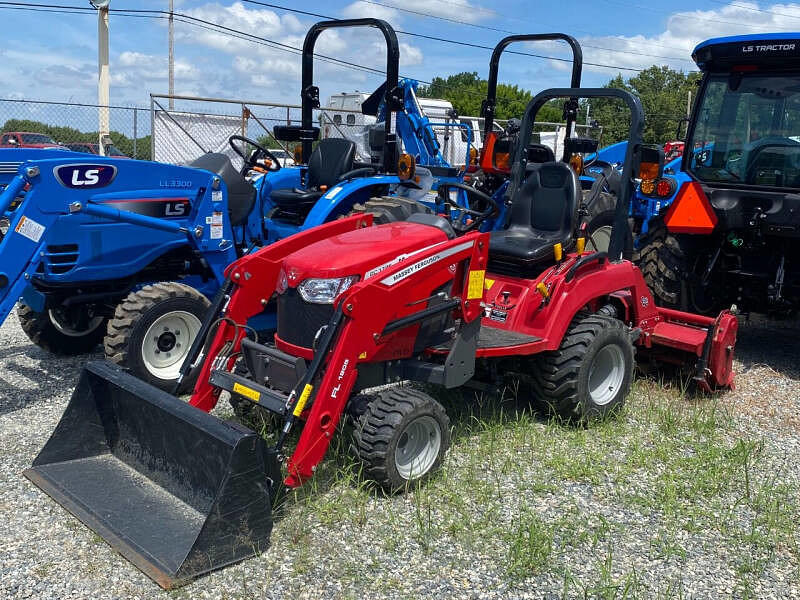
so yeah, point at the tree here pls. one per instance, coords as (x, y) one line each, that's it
(663, 93)
(466, 92)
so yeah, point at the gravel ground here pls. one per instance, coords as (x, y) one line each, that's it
(524, 509)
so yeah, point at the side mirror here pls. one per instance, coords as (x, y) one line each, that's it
(683, 129)
(650, 162)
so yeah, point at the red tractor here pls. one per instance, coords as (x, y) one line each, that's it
(362, 307)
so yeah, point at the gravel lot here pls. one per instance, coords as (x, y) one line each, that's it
(677, 498)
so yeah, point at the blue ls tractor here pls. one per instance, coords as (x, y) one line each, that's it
(727, 224)
(129, 252)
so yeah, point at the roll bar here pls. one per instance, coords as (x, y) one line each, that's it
(635, 143)
(310, 93)
(490, 102)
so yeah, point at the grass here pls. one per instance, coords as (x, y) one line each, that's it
(623, 508)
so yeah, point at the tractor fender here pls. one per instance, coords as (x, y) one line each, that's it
(340, 198)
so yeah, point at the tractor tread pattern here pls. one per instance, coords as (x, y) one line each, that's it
(132, 307)
(41, 331)
(663, 265)
(375, 428)
(390, 210)
(555, 375)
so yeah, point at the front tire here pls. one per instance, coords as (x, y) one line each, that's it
(401, 438)
(63, 331)
(590, 374)
(152, 331)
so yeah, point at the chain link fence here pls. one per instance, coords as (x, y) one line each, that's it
(75, 125)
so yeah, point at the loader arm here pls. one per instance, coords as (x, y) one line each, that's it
(254, 278)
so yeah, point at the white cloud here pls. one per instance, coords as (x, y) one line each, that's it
(362, 10)
(684, 30)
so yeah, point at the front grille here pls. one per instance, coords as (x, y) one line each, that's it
(60, 259)
(298, 320)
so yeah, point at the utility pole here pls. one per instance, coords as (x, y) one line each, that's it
(689, 105)
(171, 57)
(103, 80)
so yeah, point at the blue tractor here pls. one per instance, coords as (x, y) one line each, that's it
(129, 253)
(726, 221)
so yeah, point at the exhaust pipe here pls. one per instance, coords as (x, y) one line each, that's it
(175, 490)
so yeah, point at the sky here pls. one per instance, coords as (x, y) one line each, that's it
(52, 56)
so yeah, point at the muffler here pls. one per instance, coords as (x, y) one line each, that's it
(175, 490)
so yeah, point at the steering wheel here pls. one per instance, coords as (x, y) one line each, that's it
(752, 160)
(251, 162)
(480, 216)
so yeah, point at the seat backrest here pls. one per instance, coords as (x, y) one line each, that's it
(241, 193)
(332, 158)
(547, 203)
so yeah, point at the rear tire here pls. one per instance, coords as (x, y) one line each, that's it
(401, 438)
(590, 374)
(389, 210)
(65, 332)
(599, 223)
(670, 268)
(152, 331)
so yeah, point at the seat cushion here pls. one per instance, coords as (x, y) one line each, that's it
(241, 193)
(294, 198)
(522, 246)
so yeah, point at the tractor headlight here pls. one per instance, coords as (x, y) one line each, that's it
(324, 291)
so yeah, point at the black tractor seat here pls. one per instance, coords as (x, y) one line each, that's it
(544, 212)
(241, 193)
(332, 158)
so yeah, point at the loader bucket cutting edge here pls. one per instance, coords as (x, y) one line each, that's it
(175, 490)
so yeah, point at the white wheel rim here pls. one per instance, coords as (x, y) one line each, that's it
(167, 343)
(71, 331)
(602, 239)
(606, 374)
(418, 447)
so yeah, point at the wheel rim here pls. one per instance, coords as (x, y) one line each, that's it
(418, 447)
(71, 329)
(606, 374)
(167, 342)
(602, 239)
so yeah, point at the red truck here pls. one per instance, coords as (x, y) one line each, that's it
(25, 139)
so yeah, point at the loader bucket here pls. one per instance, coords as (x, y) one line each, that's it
(176, 491)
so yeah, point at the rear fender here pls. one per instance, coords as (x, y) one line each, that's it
(340, 198)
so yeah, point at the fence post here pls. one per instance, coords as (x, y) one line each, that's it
(152, 128)
(288, 117)
(135, 131)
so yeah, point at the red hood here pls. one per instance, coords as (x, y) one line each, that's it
(360, 252)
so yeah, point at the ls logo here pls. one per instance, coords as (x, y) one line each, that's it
(85, 177)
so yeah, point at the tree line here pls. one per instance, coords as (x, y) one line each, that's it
(664, 94)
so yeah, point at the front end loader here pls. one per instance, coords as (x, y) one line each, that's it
(361, 308)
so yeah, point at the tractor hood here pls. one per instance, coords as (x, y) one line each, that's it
(364, 252)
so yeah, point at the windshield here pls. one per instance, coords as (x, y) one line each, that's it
(36, 138)
(748, 131)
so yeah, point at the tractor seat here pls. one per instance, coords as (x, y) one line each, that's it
(241, 193)
(543, 212)
(332, 158)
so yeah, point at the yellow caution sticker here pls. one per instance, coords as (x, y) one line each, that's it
(362, 355)
(475, 289)
(247, 392)
(488, 283)
(301, 402)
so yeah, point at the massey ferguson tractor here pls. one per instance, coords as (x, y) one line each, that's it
(361, 309)
(728, 220)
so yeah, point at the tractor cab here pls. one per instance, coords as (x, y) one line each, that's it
(729, 214)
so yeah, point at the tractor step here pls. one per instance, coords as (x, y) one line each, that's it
(173, 489)
(493, 337)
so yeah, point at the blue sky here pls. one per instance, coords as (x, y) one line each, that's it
(53, 56)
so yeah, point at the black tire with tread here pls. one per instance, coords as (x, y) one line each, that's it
(133, 317)
(378, 430)
(42, 332)
(601, 213)
(390, 210)
(663, 265)
(560, 378)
